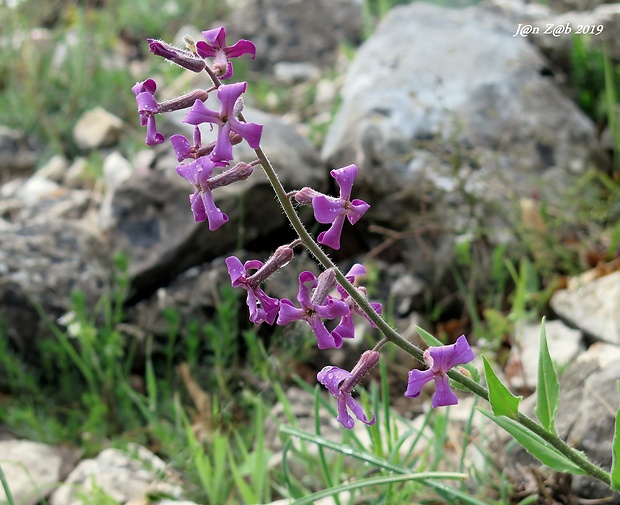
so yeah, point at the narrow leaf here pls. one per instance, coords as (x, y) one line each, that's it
(535, 445)
(548, 389)
(615, 454)
(503, 402)
(427, 337)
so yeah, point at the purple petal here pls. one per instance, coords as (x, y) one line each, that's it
(355, 271)
(345, 328)
(181, 146)
(215, 216)
(199, 113)
(345, 177)
(325, 339)
(146, 102)
(198, 208)
(235, 270)
(327, 209)
(417, 379)
(148, 86)
(357, 410)
(216, 36)
(153, 137)
(270, 306)
(251, 132)
(288, 313)
(344, 417)
(356, 209)
(331, 237)
(332, 309)
(443, 394)
(229, 71)
(223, 146)
(242, 47)
(448, 356)
(205, 50)
(228, 94)
(303, 293)
(331, 377)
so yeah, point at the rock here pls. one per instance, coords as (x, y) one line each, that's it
(564, 345)
(151, 220)
(17, 154)
(116, 171)
(293, 73)
(33, 469)
(123, 476)
(44, 262)
(592, 307)
(295, 31)
(54, 170)
(450, 128)
(97, 128)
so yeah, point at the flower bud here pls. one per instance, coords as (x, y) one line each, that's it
(366, 363)
(181, 57)
(183, 101)
(240, 172)
(325, 283)
(280, 258)
(305, 195)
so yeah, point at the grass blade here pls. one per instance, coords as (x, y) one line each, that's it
(615, 455)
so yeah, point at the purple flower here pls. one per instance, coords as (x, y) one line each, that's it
(340, 383)
(346, 328)
(440, 360)
(316, 308)
(263, 308)
(230, 98)
(203, 206)
(147, 108)
(216, 48)
(333, 210)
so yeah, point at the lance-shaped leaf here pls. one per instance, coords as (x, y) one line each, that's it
(503, 402)
(536, 446)
(548, 389)
(615, 452)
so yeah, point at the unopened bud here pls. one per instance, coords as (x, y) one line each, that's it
(181, 57)
(183, 101)
(325, 283)
(305, 195)
(362, 368)
(240, 172)
(280, 258)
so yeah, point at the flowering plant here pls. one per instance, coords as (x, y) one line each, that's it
(332, 294)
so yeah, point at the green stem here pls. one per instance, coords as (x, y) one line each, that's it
(391, 334)
(5, 486)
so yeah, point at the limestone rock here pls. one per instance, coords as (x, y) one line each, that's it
(97, 128)
(33, 469)
(17, 154)
(592, 307)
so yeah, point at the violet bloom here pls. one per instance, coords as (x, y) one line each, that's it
(334, 210)
(316, 308)
(340, 383)
(232, 103)
(440, 360)
(216, 48)
(147, 108)
(346, 328)
(262, 307)
(203, 206)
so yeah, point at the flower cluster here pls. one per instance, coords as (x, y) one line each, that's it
(319, 299)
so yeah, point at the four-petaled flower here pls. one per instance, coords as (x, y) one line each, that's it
(334, 210)
(440, 360)
(346, 328)
(340, 383)
(314, 309)
(216, 48)
(147, 108)
(230, 99)
(198, 173)
(262, 307)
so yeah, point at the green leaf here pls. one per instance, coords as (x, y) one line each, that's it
(536, 446)
(428, 338)
(503, 402)
(548, 389)
(615, 452)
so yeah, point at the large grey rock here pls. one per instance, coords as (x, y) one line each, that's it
(33, 469)
(41, 264)
(592, 307)
(122, 475)
(18, 154)
(149, 215)
(451, 121)
(297, 31)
